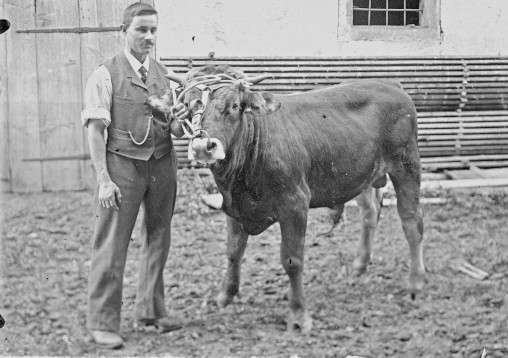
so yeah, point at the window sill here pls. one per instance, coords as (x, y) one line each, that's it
(388, 33)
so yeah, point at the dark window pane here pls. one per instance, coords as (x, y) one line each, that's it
(412, 4)
(378, 4)
(395, 4)
(378, 18)
(364, 4)
(412, 18)
(396, 18)
(360, 18)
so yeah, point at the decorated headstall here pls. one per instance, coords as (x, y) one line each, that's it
(206, 84)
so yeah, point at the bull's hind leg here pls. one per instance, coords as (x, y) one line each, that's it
(369, 202)
(293, 227)
(406, 178)
(237, 242)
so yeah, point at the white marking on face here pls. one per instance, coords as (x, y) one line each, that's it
(205, 150)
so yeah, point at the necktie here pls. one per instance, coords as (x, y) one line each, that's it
(143, 72)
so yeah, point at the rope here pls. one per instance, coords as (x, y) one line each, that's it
(203, 84)
(212, 79)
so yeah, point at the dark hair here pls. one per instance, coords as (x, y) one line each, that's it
(136, 9)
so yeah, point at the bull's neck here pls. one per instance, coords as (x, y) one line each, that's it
(241, 156)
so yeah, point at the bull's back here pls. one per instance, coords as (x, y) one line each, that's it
(355, 112)
(348, 132)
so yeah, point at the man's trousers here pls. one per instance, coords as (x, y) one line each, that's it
(153, 183)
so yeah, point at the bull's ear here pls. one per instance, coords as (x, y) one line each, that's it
(272, 104)
(263, 103)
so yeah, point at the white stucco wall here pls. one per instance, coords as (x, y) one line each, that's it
(481, 27)
(246, 27)
(311, 28)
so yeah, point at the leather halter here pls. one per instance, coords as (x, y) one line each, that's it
(206, 85)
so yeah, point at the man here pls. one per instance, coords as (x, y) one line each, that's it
(136, 164)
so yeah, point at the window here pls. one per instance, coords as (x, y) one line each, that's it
(389, 20)
(386, 12)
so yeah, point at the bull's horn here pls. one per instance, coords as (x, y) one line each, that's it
(175, 77)
(256, 79)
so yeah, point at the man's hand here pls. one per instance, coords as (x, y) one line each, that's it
(109, 193)
(180, 112)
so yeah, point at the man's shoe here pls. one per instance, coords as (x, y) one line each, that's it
(107, 339)
(162, 325)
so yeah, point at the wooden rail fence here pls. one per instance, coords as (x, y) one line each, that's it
(462, 102)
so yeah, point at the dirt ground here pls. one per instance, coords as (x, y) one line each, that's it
(45, 263)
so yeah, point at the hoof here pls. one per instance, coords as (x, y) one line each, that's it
(416, 285)
(224, 299)
(359, 267)
(359, 271)
(299, 322)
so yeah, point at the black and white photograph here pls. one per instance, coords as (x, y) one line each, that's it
(254, 178)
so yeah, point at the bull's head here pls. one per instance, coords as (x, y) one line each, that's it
(225, 118)
(219, 100)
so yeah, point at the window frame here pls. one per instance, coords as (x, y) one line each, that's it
(429, 28)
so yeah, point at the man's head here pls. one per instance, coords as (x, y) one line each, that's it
(140, 28)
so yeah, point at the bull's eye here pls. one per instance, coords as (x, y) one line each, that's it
(235, 106)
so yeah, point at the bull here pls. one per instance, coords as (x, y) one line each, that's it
(273, 157)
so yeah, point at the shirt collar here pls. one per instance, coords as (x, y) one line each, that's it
(135, 64)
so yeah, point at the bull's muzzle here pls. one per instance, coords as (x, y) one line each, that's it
(206, 150)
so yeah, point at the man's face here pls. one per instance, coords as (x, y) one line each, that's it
(140, 35)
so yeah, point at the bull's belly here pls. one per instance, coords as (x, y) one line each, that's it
(333, 197)
(333, 191)
(328, 188)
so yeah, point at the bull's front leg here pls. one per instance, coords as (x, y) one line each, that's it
(236, 244)
(293, 227)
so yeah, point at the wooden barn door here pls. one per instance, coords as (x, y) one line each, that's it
(52, 47)
(4, 111)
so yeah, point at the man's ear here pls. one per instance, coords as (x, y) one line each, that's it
(262, 103)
